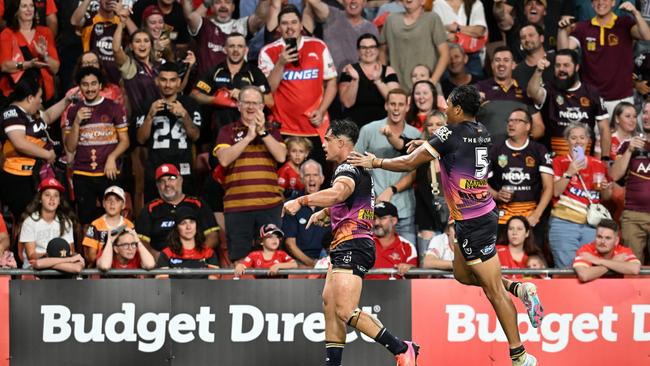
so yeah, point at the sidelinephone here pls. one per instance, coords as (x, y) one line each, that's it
(293, 43)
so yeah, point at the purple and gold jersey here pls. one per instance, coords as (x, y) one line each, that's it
(464, 164)
(353, 218)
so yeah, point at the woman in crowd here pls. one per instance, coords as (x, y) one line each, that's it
(363, 86)
(186, 248)
(624, 124)
(48, 216)
(423, 102)
(125, 251)
(26, 46)
(517, 244)
(568, 227)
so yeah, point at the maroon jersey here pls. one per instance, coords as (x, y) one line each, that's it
(97, 135)
(97, 35)
(561, 108)
(607, 55)
(211, 37)
(141, 89)
(637, 185)
(521, 168)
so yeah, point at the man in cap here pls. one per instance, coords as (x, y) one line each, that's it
(157, 218)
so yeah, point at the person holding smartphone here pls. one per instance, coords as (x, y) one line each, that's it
(568, 229)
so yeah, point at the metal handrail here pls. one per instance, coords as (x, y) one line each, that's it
(264, 272)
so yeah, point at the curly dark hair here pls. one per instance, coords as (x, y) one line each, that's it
(174, 239)
(467, 98)
(345, 127)
(64, 212)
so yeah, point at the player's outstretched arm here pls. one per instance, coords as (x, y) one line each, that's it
(339, 192)
(402, 163)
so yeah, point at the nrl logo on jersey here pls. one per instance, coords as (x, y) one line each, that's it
(443, 133)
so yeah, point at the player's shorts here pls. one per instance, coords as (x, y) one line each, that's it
(356, 255)
(477, 237)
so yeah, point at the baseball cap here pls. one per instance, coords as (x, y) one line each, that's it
(167, 169)
(58, 248)
(385, 209)
(270, 229)
(50, 183)
(116, 191)
(149, 11)
(185, 212)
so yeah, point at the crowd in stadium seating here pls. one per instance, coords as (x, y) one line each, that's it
(168, 133)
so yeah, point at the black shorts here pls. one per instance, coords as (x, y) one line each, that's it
(357, 255)
(477, 237)
(88, 191)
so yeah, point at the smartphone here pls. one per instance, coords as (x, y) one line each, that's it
(165, 107)
(118, 230)
(293, 43)
(578, 153)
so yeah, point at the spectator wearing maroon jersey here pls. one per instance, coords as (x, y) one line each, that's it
(124, 250)
(517, 244)
(605, 254)
(392, 250)
(633, 161)
(270, 256)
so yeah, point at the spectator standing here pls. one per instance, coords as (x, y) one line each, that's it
(516, 245)
(172, 15)
(624, 122)
(607, 43)
(302, 78)
(125, 251)
(568, 227)
(532, 44)
(392, 250)
(96, 132)
(97, 233)
(289, 179)
(423, 102)
(271, 256)
(27, 46)
(633, 162)
(249, 150)
(305, 244)
(363, 86)
(605, 254)
(413, 38)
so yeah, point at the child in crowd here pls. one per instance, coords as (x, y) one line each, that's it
(98, 232)
(298, 148)
(270, 256)
(536, 261)
(59, 257)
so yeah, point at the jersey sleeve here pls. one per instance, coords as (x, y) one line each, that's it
(91, 239)
(119, 118)
(578, 261)
(544, 159)
(225, 137)
(265, 63)
(443, 142)
(285, 257)
(347, 170)
(248, 262)
(329, 68)
(411, 254)
(12, 121)
(631, 257)
(208, 223)
(206, 84)
(259, 80)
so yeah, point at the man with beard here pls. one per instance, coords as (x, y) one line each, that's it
(95, 131)
(392, 250)
(502, 94)
(532, 44)
(169, 129)
(211, 32)
(566, 100)
(220, 87)
(156, 219)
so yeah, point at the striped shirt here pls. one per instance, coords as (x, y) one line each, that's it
(251, 181)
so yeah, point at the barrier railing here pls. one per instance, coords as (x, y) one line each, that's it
(282, 272)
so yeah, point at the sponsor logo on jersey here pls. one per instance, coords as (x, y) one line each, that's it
(105, 46)
(473, 183)
(344, 168)
(502, 160)
(443, 133)
(585, 102)
(204, 86)
(308, 74)
(574, 114)
(366, 214)
(12, 113)
(530, 161)
(166, 224)
(515, 176)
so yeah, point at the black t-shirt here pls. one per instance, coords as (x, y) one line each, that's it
(369, 105)
(175, 20)
(156, 220)
(522, 73)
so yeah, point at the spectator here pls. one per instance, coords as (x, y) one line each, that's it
(272, 29)
(521, 176)
(186, 245)
(27, 46)
(457, 74)
(211, 32)
(566, 100)
(532, 45)
(615, 55)
(174, 20)
(45, 14)
(501, 95)
(124, 250)
(98, 27)
(466, 17)
(97, 234)
(604, 254)
(219, 88)
(154, 23)
(423, 41)
(59, 257)
(568, 226)
(516, 245)
(270, 256)
(624, 122)
(169, 129)
(289, 174)
(536, 261)
(305, 244)
(7, 259)
(156, 220)
(303, 86)
(585, 10)
(364, 85)
(342, 29)
(423, 72)
(248, 150)
(48, 216)
(423, 99)
(96, 132)
(374, 138)
(392, 250)
(632, 161)
(440, 253)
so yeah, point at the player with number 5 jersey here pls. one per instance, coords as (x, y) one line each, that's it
(462, 148)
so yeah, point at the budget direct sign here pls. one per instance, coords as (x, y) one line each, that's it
(605, 322)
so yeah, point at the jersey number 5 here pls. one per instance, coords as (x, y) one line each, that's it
(482, 162)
